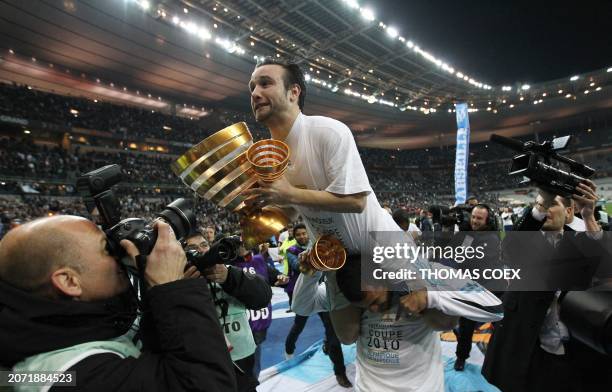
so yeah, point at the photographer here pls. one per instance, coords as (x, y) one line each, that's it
(532, 349)
(235, 290)
(67, 305)
(261, 319)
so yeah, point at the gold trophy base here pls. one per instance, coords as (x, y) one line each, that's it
(258, 227)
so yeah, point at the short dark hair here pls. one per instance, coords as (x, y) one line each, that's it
(401, 216)
(293, 75)
(297, 227)
(566, 201)
(348, 279)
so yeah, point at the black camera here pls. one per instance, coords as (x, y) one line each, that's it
(535, 163)
(222, 251)
(96, 189)
(450, 216)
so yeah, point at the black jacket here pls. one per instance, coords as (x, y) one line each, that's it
(189, 353)
(250, 289)
(509, 360)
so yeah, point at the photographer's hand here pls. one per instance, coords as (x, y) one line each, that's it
(191, 273)
(166, 262)
(216, 273)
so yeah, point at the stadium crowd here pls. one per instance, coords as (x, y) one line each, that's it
(50, 170)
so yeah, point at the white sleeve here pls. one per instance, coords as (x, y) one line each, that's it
(309, 296)
(481, 306)
(463, 298)
(343, 166)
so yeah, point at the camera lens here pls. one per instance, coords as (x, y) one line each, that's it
(179, 214)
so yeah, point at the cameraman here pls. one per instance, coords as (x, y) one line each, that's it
(66, 305)
(482, 232)
(234, 291)
(532, 349)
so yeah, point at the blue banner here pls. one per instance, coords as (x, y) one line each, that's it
(463, 153)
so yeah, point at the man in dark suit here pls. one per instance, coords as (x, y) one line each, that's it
(531, 348)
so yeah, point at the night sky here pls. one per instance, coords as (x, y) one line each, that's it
(507, 41)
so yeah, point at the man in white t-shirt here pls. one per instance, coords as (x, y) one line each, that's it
(397, 349)
(326, 182)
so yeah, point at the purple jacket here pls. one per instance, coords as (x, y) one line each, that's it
(259, 320)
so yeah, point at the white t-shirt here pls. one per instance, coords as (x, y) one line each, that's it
(577, 225)
(413, 228)
(402, 355)
(324, 156)
(392, 356)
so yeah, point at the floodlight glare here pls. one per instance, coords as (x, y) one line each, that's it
(368, 14)
(392, 31)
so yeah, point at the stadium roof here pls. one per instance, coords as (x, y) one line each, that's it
(391, 92)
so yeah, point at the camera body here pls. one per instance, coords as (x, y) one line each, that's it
(535, 163)
(96, 189)
(450, 216)
(222, 251)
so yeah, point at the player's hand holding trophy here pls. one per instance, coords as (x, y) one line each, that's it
(222, 166)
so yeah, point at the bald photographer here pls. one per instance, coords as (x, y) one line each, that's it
(67, 305)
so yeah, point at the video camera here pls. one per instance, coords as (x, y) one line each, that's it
(450, 216)
(534, 162)
(96, 189)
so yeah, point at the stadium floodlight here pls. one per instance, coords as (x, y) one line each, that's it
(368, 14)
(574, 78)
(204, 34)
(392, 32)
(191, 28)
(568, 95)
(506, 88)
(609, 69)
(586, 92)
(598, 88)
(410, 44)
(176, 20)
(560, 91)
(525, 87)
(144, 4)
(352, 3)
